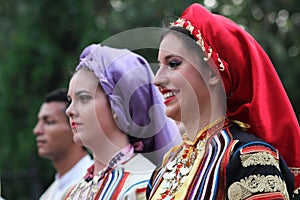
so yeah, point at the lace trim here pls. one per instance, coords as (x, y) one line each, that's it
(207, 50)
(297, 191)
(295, 170)
(257, 184)
(261, 158)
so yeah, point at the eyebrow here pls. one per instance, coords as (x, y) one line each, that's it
(46, 117)
(78, 93)
(170, 56)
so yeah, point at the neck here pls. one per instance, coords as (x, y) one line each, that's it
(194, 126)
(64, 163)
(98, 166)
(197, 120)
(104, 152)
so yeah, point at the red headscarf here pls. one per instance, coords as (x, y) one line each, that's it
(255, 93)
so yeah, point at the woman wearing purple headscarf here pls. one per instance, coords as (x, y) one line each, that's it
(118, 114)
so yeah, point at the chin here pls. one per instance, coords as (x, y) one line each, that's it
(77, 139)
(45, 155)
(173, 115)
(41, 154)
(173, 110)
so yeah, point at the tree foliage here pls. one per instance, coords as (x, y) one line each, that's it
(41, 41)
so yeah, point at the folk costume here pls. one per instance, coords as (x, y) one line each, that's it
(138, 110)
(236, 157)
(126, 177)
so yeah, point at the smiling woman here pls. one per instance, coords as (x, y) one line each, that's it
(221, 85)
(118, 114)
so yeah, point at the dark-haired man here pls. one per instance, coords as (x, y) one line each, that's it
(54, 139)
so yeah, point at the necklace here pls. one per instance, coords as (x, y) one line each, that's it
(176, 171)
(88, 187)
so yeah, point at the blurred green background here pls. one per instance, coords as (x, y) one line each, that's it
(41, 41)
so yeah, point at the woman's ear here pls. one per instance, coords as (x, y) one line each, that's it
(213, 78)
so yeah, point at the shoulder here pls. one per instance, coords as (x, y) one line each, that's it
(48, 194)
(82, 165)
(255, 167)
(249, 150)
(139, 164)
(138, 172)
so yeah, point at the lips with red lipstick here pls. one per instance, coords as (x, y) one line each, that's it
(74, 125)
(168, 95)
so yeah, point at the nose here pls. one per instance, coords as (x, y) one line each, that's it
(160, 77)
(70, 112)
(38, 129)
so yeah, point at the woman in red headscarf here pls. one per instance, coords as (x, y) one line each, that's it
(241, 131)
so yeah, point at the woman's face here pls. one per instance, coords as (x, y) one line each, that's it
(89, 112)
(182, 81)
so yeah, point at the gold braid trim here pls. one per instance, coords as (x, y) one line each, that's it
(169, 154)
(257, 184)
(261, 158)
(242, 125)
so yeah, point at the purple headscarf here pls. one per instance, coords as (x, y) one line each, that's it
(136, 103)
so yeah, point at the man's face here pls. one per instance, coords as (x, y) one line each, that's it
(53, 133)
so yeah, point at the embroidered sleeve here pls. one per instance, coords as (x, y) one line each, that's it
(256, 171)
(257, 186)
(259, 155)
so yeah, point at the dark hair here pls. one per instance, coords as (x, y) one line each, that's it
(178, 29)
(188, 40)
(59, 95)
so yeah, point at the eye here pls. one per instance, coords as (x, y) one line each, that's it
(174, 63)
(84, 98)
(50, 122)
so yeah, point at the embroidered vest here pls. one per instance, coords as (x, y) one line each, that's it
(197, 169)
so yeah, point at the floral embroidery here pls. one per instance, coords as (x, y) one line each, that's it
(256, 184)
(89, 187)
(261, 158)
